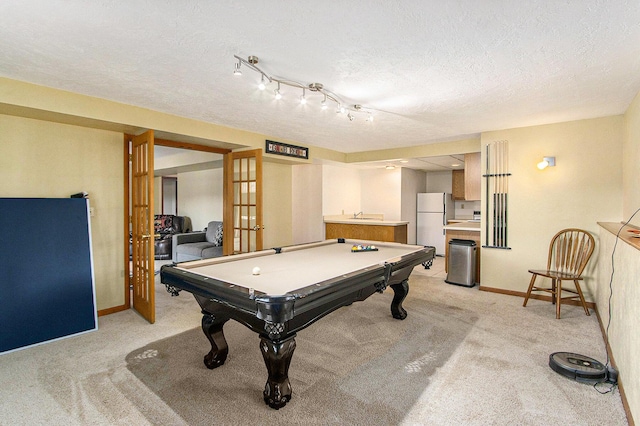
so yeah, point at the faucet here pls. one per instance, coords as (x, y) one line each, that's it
(355, 215)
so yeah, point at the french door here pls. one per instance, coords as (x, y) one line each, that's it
(142, 229)
(243, 202)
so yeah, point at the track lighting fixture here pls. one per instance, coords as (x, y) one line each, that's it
(252, 61)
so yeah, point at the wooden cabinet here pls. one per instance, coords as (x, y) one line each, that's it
(457, 184)
(462, 235)
(388, 233)
(472, 176)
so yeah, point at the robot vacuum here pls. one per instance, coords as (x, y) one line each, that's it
(578, 367)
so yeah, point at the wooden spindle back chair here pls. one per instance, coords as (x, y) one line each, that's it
(569, 253)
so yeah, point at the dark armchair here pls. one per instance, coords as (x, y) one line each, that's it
(165, 226)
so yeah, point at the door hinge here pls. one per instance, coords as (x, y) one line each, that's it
(130, 158)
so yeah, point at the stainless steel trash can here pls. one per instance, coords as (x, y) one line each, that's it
(461, 265)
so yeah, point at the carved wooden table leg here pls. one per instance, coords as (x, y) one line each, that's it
(277, 358)
(400, 291)
(212, 327)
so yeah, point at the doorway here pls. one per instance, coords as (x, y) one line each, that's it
(139, 203)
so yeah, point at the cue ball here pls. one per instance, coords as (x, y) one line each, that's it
(256, 271)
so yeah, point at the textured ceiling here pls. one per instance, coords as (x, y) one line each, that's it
(430, 70)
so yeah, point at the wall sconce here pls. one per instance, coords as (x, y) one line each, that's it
(547, 162)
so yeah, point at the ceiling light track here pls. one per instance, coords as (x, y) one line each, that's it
(341, 107)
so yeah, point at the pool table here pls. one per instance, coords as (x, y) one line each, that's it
(278, 292)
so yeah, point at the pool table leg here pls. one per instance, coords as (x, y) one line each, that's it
(400, 291)
(212, 327)
(277, 357)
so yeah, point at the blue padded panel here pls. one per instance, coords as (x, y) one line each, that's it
(46, 271)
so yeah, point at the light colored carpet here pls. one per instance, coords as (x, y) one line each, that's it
(462, 356)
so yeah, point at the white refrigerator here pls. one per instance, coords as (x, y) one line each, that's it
(434, 210)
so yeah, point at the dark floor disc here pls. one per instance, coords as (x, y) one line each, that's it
(577, 367)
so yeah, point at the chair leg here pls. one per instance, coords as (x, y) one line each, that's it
(584, 304)
(558, 296)
(526, 298)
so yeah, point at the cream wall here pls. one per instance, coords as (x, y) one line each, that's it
(440, 181)
(631, 161)
(200, 196)
(157, 195)
(622, 285)
(50, 160)
(306, 203)
(413, 182)
(381, 192)
(583, 188)
(277, 196)
(340, 190)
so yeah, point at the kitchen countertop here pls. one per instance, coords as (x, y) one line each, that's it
(368, 222)
(463, 226)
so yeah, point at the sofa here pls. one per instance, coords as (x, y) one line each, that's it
(198, 245)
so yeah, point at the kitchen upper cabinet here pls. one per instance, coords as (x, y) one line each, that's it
(472, 175)
(457, 184)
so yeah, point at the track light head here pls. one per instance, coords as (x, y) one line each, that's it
(277, 93)
(237, 71)
(350, 116)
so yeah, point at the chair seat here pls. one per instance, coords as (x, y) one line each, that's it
(555, 274)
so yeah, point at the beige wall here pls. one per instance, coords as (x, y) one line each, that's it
(381, 192)
(49, 160)
(200, 196)
(413, 182)
(277, 214)
(583, 188)
(624, 338)
(631, 162)
(622, 285)
(440, 181)
(157, 195)
(340, 190)
(306, 194)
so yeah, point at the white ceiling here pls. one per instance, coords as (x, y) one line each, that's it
(430, 70)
